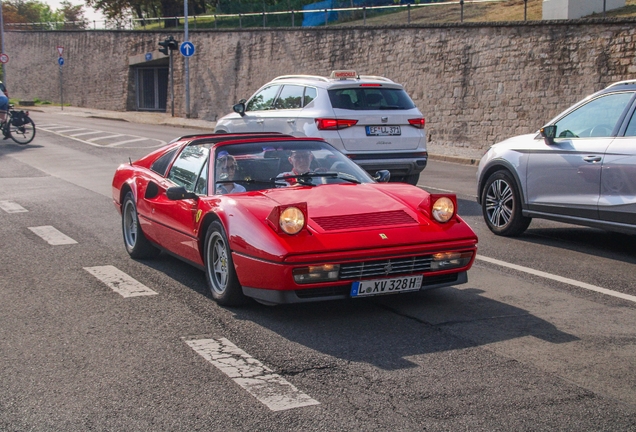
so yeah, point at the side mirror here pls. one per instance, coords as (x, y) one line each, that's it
(548, 133)
(177, 193)
(382, 176)
(240, 107)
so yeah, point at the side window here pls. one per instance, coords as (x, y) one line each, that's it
(186, 169)
(631, 127)
(161, 165)
(596, 118)
(310, 95)
(290, 97)
(262, 100)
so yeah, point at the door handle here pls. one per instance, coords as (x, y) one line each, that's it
(592, 159)
(291, 121)
(259, 121)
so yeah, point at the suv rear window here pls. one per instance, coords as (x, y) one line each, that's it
(370, 98)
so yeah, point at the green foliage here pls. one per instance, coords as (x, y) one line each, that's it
(34, 11)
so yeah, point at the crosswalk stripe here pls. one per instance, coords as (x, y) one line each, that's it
(52, 236)
(257, 379)
(119, 281)
(11, 207)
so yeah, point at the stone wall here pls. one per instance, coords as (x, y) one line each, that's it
(475, 83)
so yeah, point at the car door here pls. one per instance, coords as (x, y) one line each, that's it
(564, 177)
(257, 110)
(618, 178)
(286, 109)
(176, 220)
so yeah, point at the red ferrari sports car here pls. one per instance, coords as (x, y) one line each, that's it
(260, 227)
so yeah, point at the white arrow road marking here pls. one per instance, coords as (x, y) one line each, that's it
(11, 207)
(261, 382)
(119, 281)
(558, 278)
(52, 236)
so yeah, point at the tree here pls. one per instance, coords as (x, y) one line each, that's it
(73, 16)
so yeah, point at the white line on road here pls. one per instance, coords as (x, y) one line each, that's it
(87, 133)
(119, 281)
(558, 278)
(52, 236)
(259, 381)
(70, 130)
(11, 207)
(105, 137)
(126, 142)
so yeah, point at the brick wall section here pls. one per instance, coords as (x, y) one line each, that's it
(476, 83)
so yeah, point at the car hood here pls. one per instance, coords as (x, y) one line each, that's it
(344, 217)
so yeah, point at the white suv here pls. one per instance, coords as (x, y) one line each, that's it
(370, 119)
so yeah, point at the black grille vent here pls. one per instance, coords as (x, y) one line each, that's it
(387, 267)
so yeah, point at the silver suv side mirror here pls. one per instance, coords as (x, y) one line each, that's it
(548, 133)
(240, 107)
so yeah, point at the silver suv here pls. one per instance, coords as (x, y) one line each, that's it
(370, 119)
(580, 168)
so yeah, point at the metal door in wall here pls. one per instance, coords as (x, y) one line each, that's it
(152, 88)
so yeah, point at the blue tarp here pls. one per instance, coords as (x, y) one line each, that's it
(311, 19)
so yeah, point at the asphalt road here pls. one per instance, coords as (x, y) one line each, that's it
(529, 343)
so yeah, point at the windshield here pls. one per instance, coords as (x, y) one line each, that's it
(264, 165)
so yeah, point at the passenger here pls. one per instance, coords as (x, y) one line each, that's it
(301, 164)
(226, 170)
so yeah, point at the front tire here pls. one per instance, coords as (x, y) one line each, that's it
(501, 206)
(219, 268)
(137, 245)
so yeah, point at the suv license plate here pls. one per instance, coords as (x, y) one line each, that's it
(383, 130)
(386, 286)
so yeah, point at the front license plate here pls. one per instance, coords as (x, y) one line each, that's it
(383, 130)
(386, 286)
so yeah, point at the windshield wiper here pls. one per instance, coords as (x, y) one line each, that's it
(305, 179)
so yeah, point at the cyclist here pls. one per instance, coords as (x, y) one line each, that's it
(4, 107)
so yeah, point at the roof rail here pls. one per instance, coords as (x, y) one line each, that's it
(309, 77)
(626, 82)
(375, 77)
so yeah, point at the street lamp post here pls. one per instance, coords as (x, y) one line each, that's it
(187, 61)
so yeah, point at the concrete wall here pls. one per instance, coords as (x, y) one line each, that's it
(476, 84)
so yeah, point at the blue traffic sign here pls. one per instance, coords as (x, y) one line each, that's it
(187, 49)
(60, 60)
(148, 56)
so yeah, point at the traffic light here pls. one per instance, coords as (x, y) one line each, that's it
(170, 43)
(165, 46)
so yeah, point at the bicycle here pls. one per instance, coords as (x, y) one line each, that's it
(18, 126)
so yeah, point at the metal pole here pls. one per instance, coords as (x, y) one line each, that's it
(364, 15)
(292, 18)
(187, 63)
(604, 4)
(171, 82)
(525, 10)
(461, 3)
(408, 8)
(61, 90)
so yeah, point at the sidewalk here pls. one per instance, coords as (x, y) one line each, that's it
(159, 118)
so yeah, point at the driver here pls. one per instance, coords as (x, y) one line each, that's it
(301, 164)
(226, 170)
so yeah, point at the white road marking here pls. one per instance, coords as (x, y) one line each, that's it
(119, 281)
(259, 381)
(52, 236)
(558, 278)
(70, 130)
(125, 142)
(86, 133)
(11, 207)
(105, 137)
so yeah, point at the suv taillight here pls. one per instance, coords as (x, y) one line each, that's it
(333, 124)
(418, 122)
